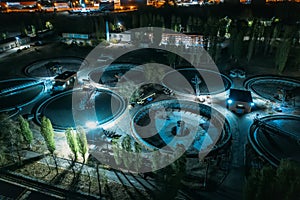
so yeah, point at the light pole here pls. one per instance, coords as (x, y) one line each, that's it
(107, 30)
(197, 81)
(17, 41)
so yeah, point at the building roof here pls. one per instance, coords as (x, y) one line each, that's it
(18, 1)
(76, 35)
(65, 76)
(240, 95)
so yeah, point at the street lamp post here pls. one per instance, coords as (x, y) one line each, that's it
(196, 81)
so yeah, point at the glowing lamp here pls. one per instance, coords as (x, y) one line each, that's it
(91, 124)
(229, 101)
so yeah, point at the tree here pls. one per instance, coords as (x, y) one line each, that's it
(126, 143)
(172, 176)
(99, 26)
(189, 25)
(150, 19)
(238, 46)
(102, 28)
(98, 179)
(178, 24)
(171, 58)
(259, 43)
(3, 36)
(223, 23)
(288, 180)
(48, 25)
(211, 32)
(162, 22)
(267, 36)
(7, 126)
(252, 31)
(143, 20)
(135, 21)
(138, 158)
(48, 134)
(179, 166)
(199, 25)
(283, 49)
(275, 34)
(259, 2)
(117, 151)
(25, 130)
(129, 90)
(156, 156)
(23, 29)
(2, 156)
(33, 30)
(126, 146)
(82, 142)
(173, 23)
(9, 132)
(270, 183)
(72, 141)
(157, 36)
(153, 74)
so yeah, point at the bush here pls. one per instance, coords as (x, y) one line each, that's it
(269, 183)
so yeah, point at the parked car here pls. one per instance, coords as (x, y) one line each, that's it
(233, 73)
(237, 73)
(241, 73)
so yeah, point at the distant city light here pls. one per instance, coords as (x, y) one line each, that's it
(91, 124)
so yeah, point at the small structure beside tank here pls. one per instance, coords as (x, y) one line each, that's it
(64, 81)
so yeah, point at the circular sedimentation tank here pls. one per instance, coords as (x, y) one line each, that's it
(276, 137)
(210, 82)
(115, 74)
(273, 88)
(50, 67)
(80, 107)
(166, 123)
(17, 93)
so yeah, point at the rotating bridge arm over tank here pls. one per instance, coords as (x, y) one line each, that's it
(274, 129)
(17, 88)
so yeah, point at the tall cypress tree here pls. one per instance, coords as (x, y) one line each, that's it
(25, 130)
(72, 141)
(82, 142)
(48, 134)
